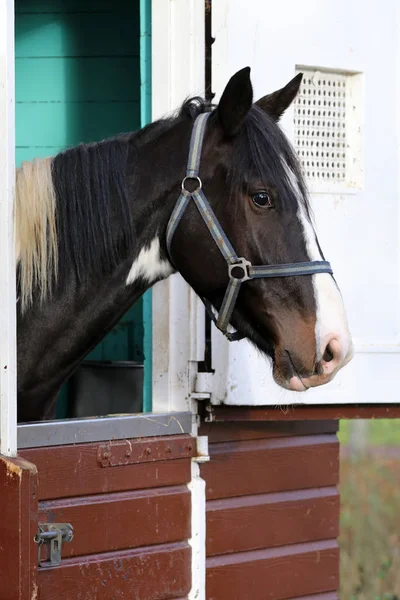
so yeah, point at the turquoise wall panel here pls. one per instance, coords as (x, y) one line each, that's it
(145, 106)
(78, 34)
(63, 124)
(78, 80)
(106, 79)
(66, 6)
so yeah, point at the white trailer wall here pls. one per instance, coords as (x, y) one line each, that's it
(359, 227)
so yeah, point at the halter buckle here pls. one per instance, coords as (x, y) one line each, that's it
(242, 264)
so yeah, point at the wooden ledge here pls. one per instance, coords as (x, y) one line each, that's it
(299, 413)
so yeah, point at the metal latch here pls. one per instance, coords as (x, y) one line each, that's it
(54, 534)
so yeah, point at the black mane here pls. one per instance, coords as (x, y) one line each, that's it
(94, 223)
(90, 182)
(91, 190)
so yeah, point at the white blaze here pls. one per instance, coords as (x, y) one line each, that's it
(331, 319)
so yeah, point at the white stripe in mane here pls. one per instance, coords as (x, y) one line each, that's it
(35, 229)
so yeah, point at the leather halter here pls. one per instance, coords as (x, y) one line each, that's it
(239, 269)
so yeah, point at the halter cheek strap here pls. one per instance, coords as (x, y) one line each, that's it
(239, 269)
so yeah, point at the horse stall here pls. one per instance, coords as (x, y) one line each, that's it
(175, 468)
(93, 506)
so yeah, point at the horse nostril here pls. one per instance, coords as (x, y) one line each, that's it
(328, 354)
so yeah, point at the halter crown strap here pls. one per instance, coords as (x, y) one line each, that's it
(239, 269)
(196, 145)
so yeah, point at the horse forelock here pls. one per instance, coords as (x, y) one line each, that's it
(262, 149)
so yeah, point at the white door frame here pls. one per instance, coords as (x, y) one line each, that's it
(178, 72)
(178, 325)
(8, 378)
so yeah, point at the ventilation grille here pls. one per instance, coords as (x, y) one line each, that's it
(320, 125)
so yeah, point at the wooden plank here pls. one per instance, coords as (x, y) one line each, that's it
(125, 452)
(274, 574)
(327, 596)
(155, 573)
(18, 526)
(265, 466)
(268, 520)
(297, 413)
(80, 122)
(77, 34)
(122, 520)
(225, 432)
(77, 79)
(66, 6)
(68, 471)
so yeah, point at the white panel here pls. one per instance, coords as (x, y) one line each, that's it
(177, 72)
(8, 399)
(359, 231)
(197, 487)
(178, 319)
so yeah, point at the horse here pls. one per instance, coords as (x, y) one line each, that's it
(91, 237)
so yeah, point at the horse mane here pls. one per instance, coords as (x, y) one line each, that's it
(72, 210)
(36, 238)
(72, 215)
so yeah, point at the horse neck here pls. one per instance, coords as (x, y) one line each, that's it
(54, 337)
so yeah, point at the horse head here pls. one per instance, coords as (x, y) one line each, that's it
(252, 183)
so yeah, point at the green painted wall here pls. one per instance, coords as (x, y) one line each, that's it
(78, 79)
(145, 110)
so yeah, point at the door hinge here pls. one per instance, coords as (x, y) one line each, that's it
(203, 387)
(210, 416)
(54, 534)
(202, 454)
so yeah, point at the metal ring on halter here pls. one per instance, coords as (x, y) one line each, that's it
(242, 264)
(188, 177)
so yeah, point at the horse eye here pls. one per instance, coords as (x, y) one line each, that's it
(262, 199)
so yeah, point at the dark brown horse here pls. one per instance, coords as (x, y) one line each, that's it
(91, 238)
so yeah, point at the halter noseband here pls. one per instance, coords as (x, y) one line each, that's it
(239, 269)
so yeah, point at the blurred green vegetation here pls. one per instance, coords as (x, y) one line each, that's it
(370, 526)
(382, 432)
(370, 515)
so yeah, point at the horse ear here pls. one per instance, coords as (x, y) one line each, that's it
(235, 102)
(275, 104)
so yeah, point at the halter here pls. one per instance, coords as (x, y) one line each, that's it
(239, 269)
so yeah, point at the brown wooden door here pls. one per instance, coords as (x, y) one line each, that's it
(130, 508)
(272, 510)
(18, 526)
